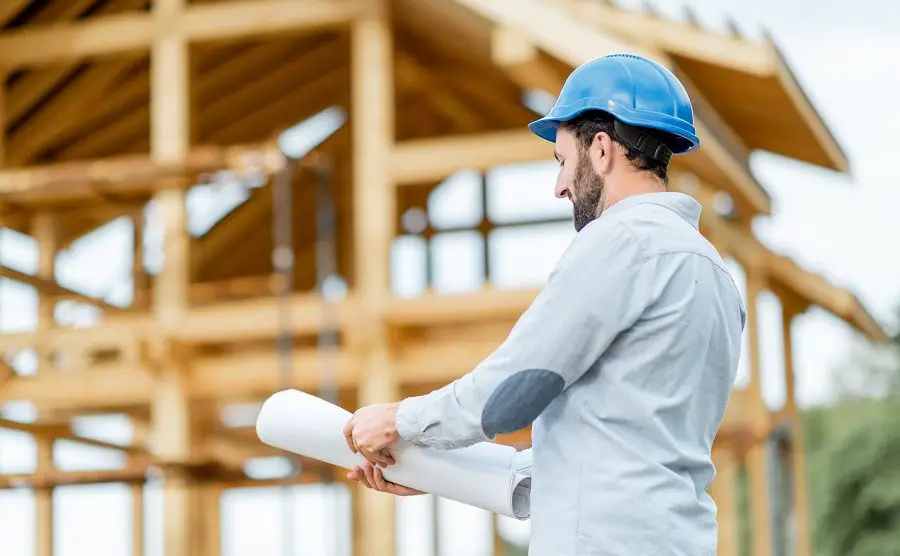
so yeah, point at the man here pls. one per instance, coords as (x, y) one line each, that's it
(625, 360)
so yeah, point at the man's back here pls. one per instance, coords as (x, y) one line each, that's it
(621, 458)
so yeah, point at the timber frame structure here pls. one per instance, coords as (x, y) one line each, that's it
(111, 104)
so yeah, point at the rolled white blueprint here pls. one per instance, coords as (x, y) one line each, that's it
(480, 475)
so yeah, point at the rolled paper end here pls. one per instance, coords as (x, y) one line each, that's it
(521, 498)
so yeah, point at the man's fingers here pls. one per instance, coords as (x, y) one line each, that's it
(348, 435)
(369, 471)
(380, 483)
(380, 458)
(388, 456)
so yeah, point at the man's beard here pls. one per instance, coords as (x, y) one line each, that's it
(587, 193)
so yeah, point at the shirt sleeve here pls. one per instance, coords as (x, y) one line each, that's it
(600, 287)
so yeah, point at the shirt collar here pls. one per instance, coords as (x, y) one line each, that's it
(681, 204)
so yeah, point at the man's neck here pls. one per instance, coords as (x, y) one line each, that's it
(629, 185)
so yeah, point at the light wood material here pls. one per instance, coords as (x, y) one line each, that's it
(372, 106)
(139, 31)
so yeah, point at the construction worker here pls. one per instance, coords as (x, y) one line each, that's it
(624, 362)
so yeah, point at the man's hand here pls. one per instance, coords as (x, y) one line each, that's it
(371, 477)
(372, 430)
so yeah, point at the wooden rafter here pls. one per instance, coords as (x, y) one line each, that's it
(53, 289)
(137, 31)
(34, 85)
(740, 53)
(131, 174)
(9, 9)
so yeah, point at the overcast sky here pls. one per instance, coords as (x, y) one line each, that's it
(844, 227)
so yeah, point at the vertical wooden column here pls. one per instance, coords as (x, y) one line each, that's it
(137, 520)
(499, 543)
(3, 76)
(799, 497)
(374, 208)
(211, 503)
(757, 458)
(45, 231)
(169, 143)
(724, 492)
(140, 279)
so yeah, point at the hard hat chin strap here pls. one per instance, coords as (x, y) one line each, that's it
(637, 139)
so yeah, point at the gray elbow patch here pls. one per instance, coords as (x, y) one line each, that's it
(519, 399)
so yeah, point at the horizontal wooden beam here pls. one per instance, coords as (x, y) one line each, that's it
(50, 288)
(248, 375)
(64, 432)
(423, 160)
(74, 181)
(675, 37)
(104, 35)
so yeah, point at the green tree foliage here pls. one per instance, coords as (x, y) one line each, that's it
(854, 462)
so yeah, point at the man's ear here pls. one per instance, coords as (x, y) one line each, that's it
(601, 153)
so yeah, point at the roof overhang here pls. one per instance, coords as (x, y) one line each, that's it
(747, 81)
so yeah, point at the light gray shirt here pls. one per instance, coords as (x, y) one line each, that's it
(623, 364)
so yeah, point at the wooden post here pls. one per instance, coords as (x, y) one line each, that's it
(137, 520)
(374, 210)
(799, 496)
(44, 230)
(724, 492)
(757, 458)
(170, 141)
(140, 279)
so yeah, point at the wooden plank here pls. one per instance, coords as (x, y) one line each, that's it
(170, 140)
(138, 31)
(374, 207)
(125, 127)
(423, 160)
(132, 174)
(675, 37)
(64, 432)
(31, 87)
(9, 9)
(48, 287)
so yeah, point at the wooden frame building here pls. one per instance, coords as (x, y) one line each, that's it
(109, 105)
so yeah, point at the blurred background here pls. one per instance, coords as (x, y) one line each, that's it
(204, 202)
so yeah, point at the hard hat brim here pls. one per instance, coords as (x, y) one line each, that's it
(686, 138)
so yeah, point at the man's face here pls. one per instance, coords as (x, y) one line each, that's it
(577, 179)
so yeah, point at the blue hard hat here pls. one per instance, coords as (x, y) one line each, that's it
(635, 90)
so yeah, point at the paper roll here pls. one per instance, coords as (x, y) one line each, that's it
(480, 475)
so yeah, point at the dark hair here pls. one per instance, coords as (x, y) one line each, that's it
(590, 123)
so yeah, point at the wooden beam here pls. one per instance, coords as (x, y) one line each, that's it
(86, 91)
(170, 140)
(374, 207)
(65, 432)
(425, 160)
(125, 128)
(832, 154)
(137, 31)
(682, 39)
(9, 9)
(50, 288)
(523, 61)
(132, 174)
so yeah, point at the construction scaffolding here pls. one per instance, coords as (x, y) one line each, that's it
(112, 106)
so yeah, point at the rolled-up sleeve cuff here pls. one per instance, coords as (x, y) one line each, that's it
(408, 420)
